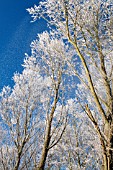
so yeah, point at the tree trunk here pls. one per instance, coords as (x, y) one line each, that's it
(18, 162)
(43, 159)
(111, 153)
(45, 149)
(108, 155)
(48, 128)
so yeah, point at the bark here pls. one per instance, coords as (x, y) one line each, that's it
(111, 153)
(48, 129)
(45, 149)
(18, 162)
(109, 147)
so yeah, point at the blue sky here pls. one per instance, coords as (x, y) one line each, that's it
(16, 34)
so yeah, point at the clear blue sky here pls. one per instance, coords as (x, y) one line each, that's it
(16, 34)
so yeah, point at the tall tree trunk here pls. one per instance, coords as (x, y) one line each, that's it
(111, 157)
(108, 157)
(45, 148)
(105, 162)
(111, 150)
(48, 128)
(18, 162)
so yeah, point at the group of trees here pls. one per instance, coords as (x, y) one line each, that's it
(59, 114)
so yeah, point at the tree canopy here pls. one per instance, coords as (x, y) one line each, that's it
(59, 114)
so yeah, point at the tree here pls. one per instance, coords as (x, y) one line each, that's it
(59, 114)
(30, 110)
(18, 110)
(79, 147)
(87, 26)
